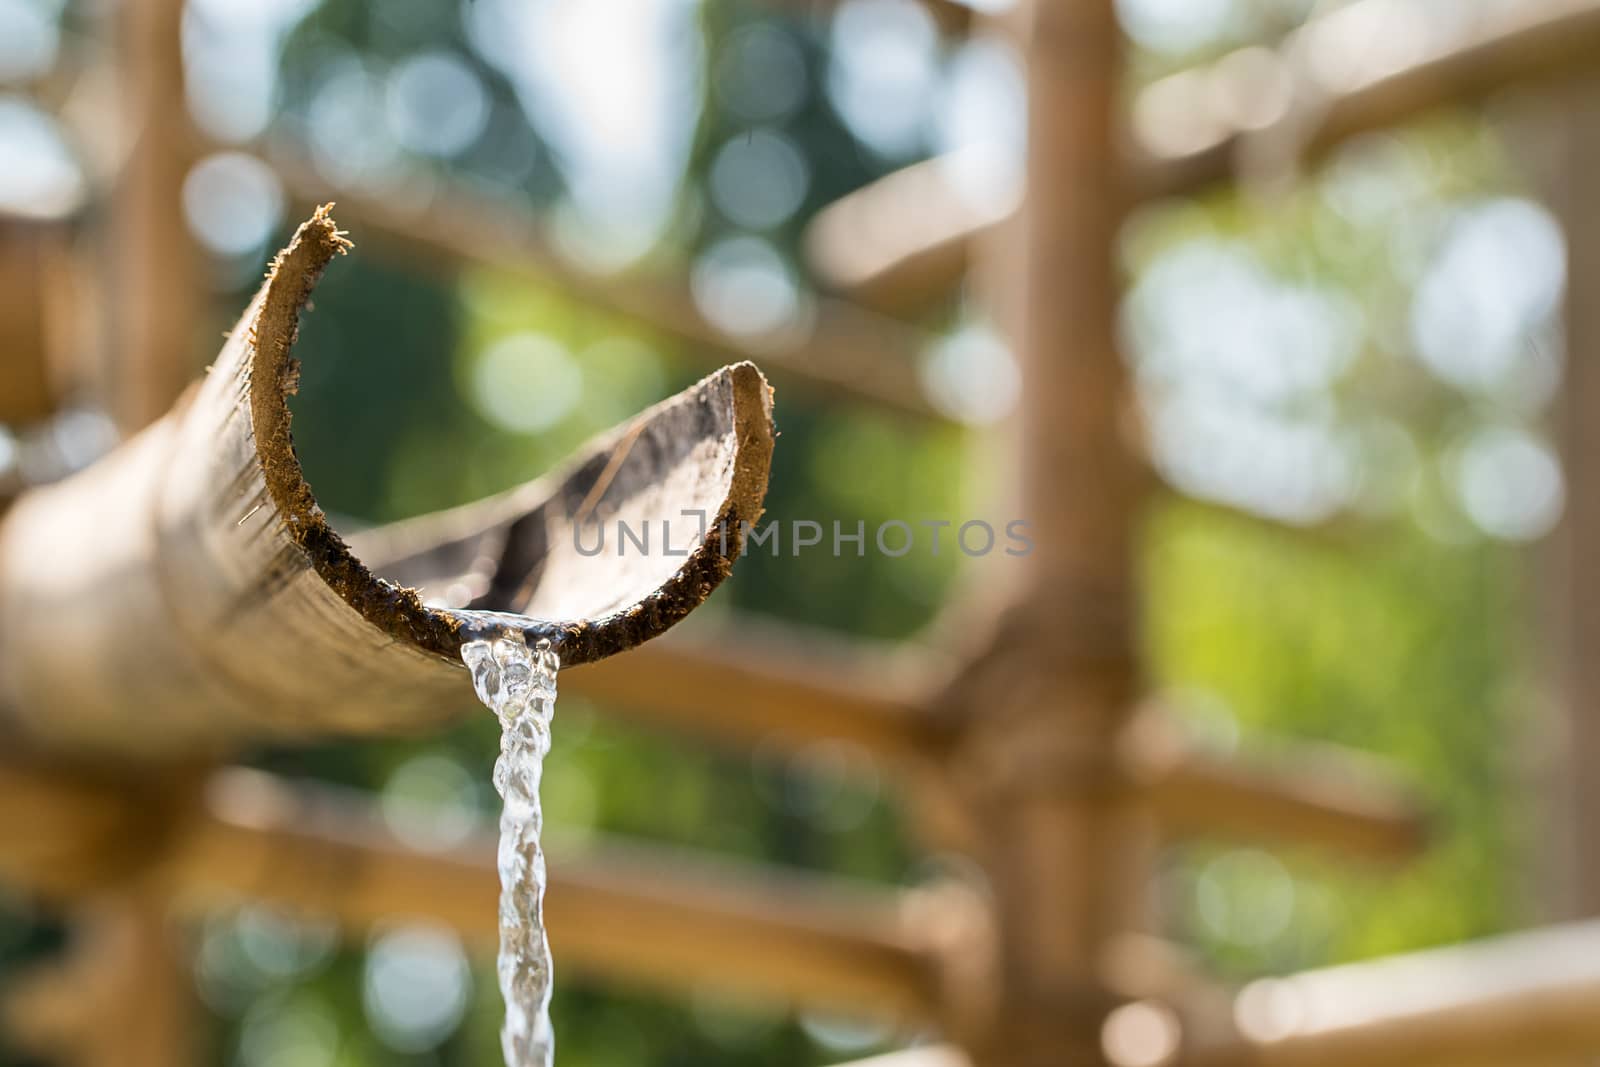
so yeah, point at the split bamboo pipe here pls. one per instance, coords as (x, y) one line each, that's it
(186, 593)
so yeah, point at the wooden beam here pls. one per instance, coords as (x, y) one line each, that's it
(121, 997)
(1251, 110)
(630, 912)
(62, 835)
(1306, 795)
(157, 283)
(35, 283)
(751, 682)
(1523, 998)
(952, 16)
(192, 571)
(924, 1056)
(835, 350)
(1334, 87)
(1041, 709)
(1565, 882)
(757, 681)
(902, 240)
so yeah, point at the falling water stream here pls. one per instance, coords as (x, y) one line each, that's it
(518, 684)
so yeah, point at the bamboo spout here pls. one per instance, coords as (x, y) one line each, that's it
(187, 594)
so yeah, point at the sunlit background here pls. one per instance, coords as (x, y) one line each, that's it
(1348, 381)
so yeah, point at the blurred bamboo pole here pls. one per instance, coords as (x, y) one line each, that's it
(655, 915)
(1530, 997)
(157, 285)
(35, 287)
(660, 917)
(764, 683)
(751, 681)
(1045, 704)
(1205, 126)
(121, 997)
(1566, 771)
(1310, 795)
(1525, 998)
(952, 16)
(923, 1056)
(126, 981)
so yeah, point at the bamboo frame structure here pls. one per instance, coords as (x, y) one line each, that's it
(1061, 767)
(655, 916)
(904, 240)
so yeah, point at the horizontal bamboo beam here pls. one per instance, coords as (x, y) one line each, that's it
(1335, 86)
(752, 681)
(836, 350)
(755, 683)
(59, 835)
(952, 16)
(922, 1056)
(1306, 794)
(903, 240)
(763, 682)
(657, 917)
(1524, 998)
(647, 914)
(652, 915)
(186, 593)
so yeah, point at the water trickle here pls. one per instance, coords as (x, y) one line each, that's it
(519, 685)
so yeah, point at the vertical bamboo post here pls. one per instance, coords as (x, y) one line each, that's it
(1569, 756)
(122, 997)
(150, 1013)
(1079, 481)
(1047, 704)
(34, 283)
(126, 993)
(156, 287)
